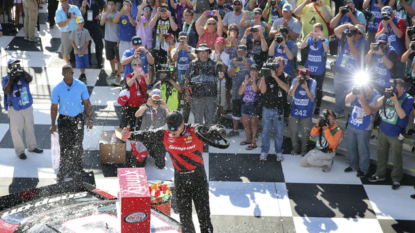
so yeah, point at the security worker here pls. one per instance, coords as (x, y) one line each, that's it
(201, 84)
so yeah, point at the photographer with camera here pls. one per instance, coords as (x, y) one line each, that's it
(264, 29)
(137, 52)
(303, 89)
(65, 18)
(405, 10)
(288, 21)
(363, 98)
(154, 114)
(395, 28)
(372, 9)
(383, 57)
(283, 47)
(329, 137)
(352, 50)
(409, 55)
(410, 34)
(201, 85)
(18, 103)
(257, 46)
(348, 14)
(274, 88)
(395, 106)
(317, 46)
(239, 67)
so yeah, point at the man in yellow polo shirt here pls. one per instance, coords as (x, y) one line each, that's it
(309, 13)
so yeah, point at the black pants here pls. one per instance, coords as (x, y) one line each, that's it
(52, 7)
(193, 186)
(156, 151)
(160, 58)
(128, 118)
(319, 88)
(304, 55)
(96, 34)
(71, 136)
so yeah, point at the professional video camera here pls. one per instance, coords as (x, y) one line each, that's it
(351, 33)
(268, 67)
(16, 70)
(389, 93)
(346, 9)
(303, 77)
(165, 75)
(279, 38)
(411, 31)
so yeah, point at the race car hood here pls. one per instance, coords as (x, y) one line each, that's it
(80, 209)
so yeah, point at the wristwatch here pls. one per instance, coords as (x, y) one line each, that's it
(147, 105)
(284, 46)
(147, 52)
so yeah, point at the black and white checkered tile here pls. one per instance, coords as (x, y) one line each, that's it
(246, 195)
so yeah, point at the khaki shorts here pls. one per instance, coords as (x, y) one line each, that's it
(66, 46)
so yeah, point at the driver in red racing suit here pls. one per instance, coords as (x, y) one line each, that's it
(186, 153)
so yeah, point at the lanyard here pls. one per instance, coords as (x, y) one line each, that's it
(190, 27)
(151, 113)
(254, 48)
(89, 3)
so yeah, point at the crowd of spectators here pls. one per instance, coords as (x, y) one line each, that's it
(241, 57)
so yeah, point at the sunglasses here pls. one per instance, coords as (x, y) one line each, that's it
(257, 13)
(136, 65)
(203, 51)
(237, 4)
(147, 9)
(211, 23)
(68, 73)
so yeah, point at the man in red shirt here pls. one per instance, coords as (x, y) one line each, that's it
(395, 28)
(190, 181)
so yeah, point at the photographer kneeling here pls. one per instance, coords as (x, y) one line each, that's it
(363, 99)
(154, 114)
(383, 57)
(302, 90)
(330, 136)
(395, 107)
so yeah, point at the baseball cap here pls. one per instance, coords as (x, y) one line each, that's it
(156, 92)
(300, 72)
(242, 47)
(254, 67)
(237, 1)
(387, 9)
(11, 61)
(167, 35)
(234, 27)
(347, 2)
(123, 97)
(382, 38)
(164, 5)
(79, 19)
(136, 40)
(287, 7)
(182, 34)
(220, 39)
(259, 10)
(174, 120)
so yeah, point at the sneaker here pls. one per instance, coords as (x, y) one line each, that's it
(375, 178)
(303, 153)
(82, 78)
(26, 38)
(327, 168)
(361, 174)
(111, 76)
(280, 157)
(36, 39)
(317, 111)
(263, 156)
(396, 185)
(22, 156)
(233, 133)
(413, 196)
(51, 26)
(349, 169)
(293, 152)
(116, 81)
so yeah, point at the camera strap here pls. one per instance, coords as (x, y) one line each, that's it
(141, 91)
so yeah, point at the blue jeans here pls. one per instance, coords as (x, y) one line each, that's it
(342, 86)
(358, 148)
(269, 119)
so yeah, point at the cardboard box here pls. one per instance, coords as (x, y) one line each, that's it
(134, 200)
(111, 153)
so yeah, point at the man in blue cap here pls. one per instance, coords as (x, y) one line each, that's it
(18, 102)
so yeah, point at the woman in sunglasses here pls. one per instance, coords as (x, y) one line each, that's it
(137, 82)
(256, 21)
(211, 31)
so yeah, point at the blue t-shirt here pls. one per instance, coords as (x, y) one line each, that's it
(127, 30)
(128, 69)
(62, 16)
(70, 98)
(394, 130)
(24, 101)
